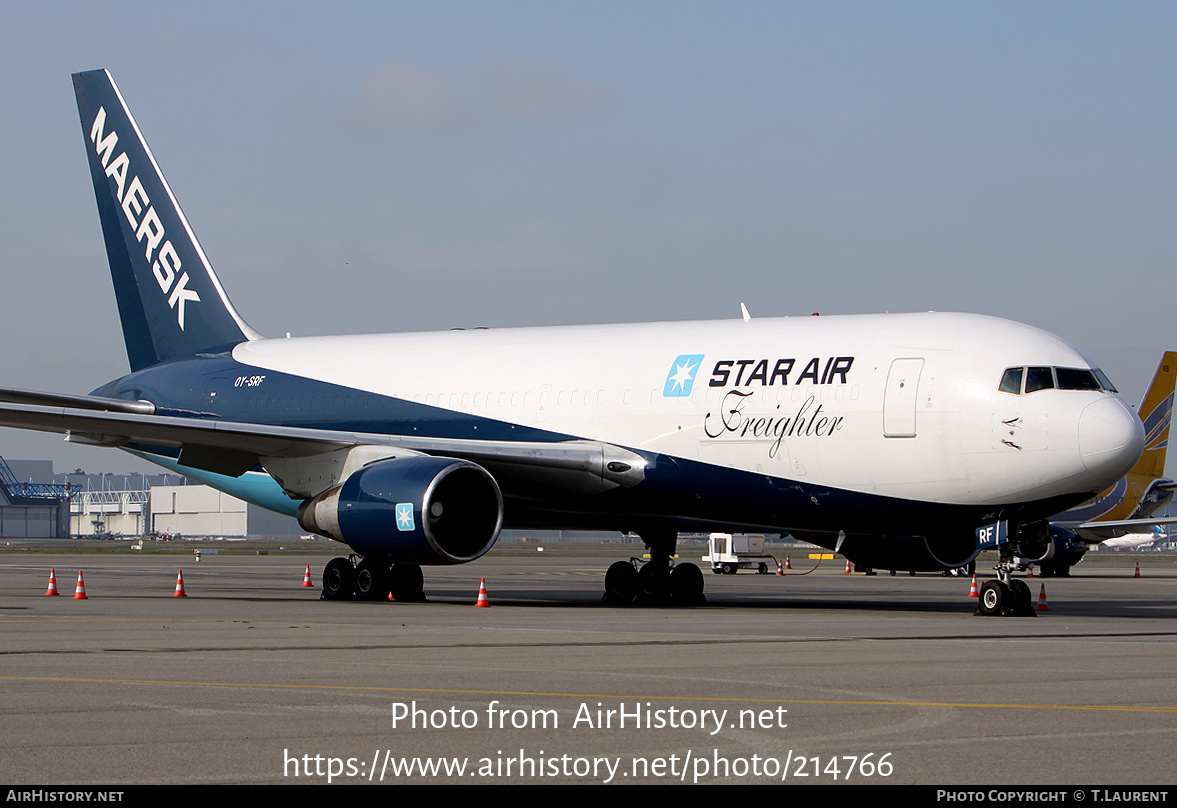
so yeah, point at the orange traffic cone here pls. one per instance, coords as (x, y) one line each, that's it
(780, 570)
(788, 566)
(1137, 575)
(973, 593)
(1042, 605)
(180, 593)
(483, 600)
(52, 590)
(306, 579)
(1030, 571)
(847, 566)
(80, 591)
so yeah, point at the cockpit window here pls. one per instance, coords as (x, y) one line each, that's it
(1011, 381)
(1039, 379)
(1043, 378)
(1076, 379)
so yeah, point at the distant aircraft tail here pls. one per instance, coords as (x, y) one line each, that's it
(170, 300)
(1156, 411)
(1144, 489)
(1146, 483)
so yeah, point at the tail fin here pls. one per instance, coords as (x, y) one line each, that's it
(170, 301)
(1147, 490)
(1156, 411)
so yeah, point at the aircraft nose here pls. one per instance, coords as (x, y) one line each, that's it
(1111, 439)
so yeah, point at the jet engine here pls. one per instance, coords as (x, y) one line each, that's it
(422, 510)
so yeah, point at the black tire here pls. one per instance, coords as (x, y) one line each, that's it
(729, 569)
(1022, 601)
(762, 569)
(653, 585)
(995, 596)
(406, 583)
(371, 580)
(339, 578)
(621, 583)
(686, 585)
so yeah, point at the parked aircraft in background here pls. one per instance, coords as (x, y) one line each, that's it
(924, 437)
(1136, 541)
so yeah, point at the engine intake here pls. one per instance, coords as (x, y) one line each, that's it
(424, 510)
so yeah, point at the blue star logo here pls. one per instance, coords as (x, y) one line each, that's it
(681, 377)
(404, 516)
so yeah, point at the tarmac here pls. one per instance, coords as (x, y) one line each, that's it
(814, 677)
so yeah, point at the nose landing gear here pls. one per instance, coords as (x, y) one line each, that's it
(1007, 596)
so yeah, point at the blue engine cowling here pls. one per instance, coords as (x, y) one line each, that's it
(422, 510)
(1069, 550)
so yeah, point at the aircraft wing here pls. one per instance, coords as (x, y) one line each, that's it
(37, 397)
(1095, 532)
(233, 448)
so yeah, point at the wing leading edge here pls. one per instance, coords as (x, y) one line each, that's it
(232, 448)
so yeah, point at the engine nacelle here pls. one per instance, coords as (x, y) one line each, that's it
(423, 510)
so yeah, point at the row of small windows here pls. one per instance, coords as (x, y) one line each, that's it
(1032, 379)
(545, 399)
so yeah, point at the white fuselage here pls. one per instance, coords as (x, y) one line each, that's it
(899, 405)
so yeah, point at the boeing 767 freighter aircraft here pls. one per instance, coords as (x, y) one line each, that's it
(932, 435)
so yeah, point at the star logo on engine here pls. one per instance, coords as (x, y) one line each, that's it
(681, 378)
(404, 516)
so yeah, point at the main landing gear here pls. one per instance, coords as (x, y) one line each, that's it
(372, 579)
(657, 582)
(1007, 595)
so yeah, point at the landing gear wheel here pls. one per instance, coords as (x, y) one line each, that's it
(653, 585)
(406, 583)
(1023, 601)
(621, 584)
(371, 580)
(339, 578)
(686, 585)
(994, 597)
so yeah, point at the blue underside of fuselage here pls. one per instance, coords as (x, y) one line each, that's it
(677, 493)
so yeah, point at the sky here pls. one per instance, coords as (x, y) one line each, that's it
(368, 167)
